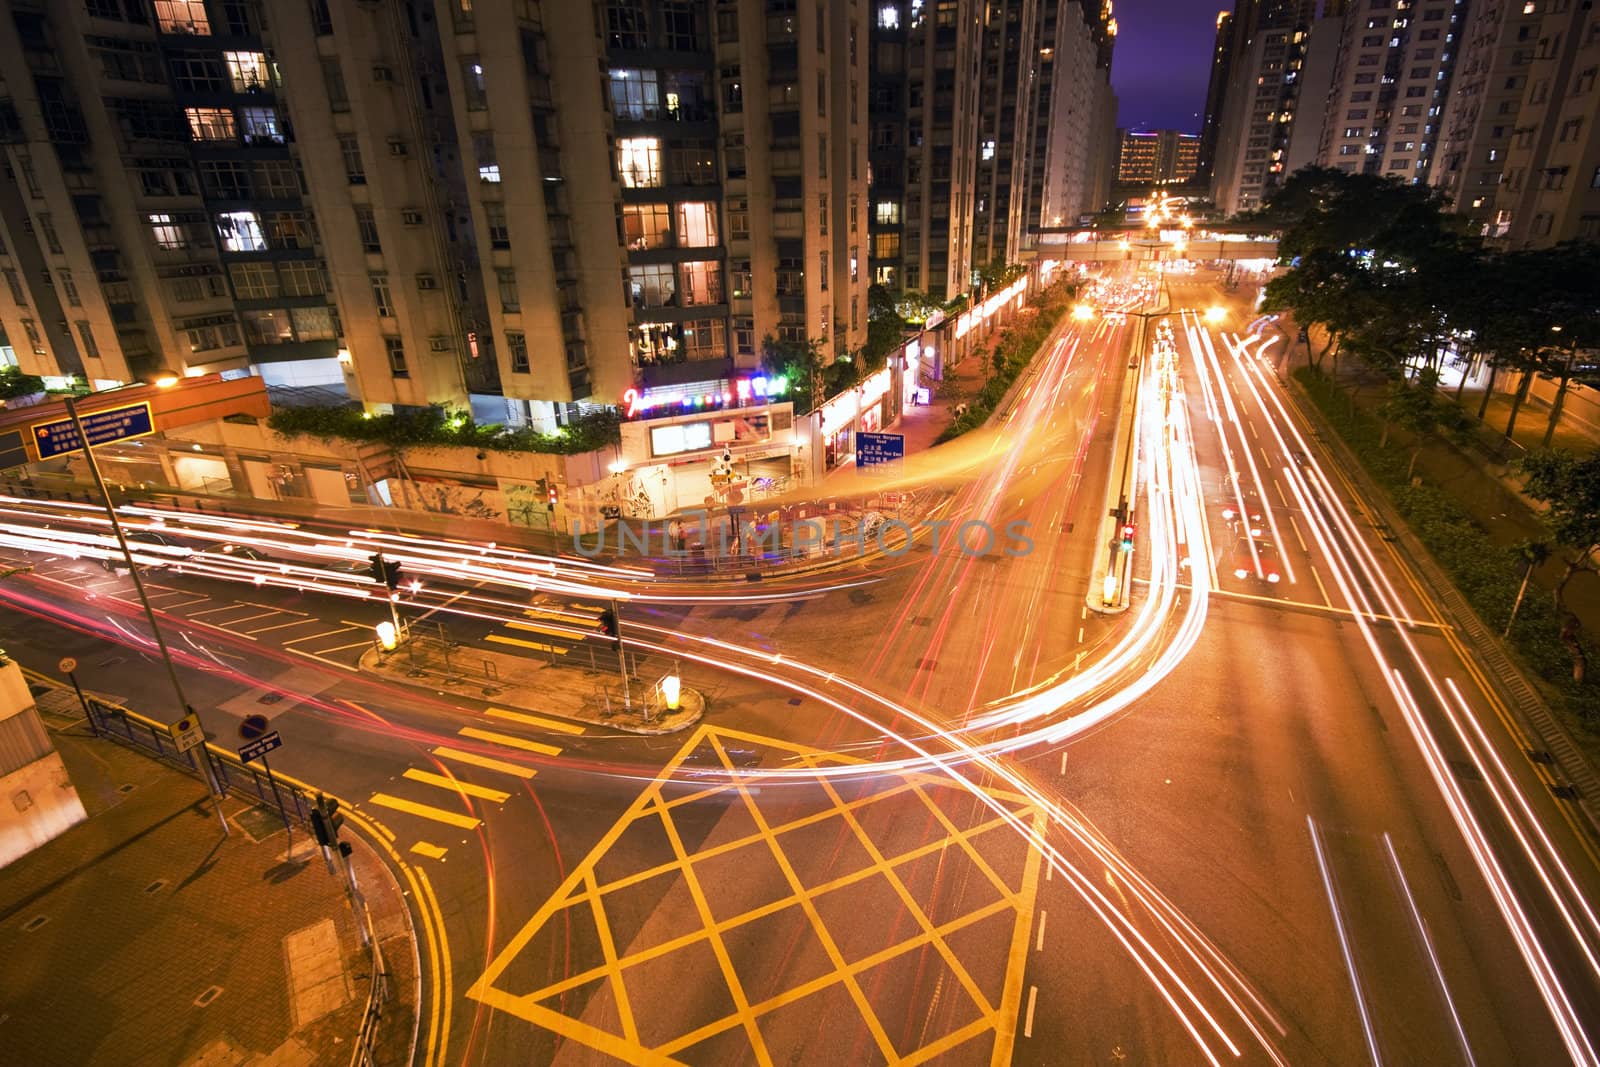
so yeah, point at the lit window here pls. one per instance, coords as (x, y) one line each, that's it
(477, 90)
(168, 234)
(988, 150)
(639, 162)
(697, 224)
(888, 212)
(183, 16)
(635, 94)
(888, 17)
(488, 162)
(700, 282)
(248, 70)
(211, 124)
(260, 126)
(647, 226)
(241, 231)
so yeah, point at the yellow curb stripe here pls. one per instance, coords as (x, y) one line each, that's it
(534, 720)
(456, 785)
(500, 639)
(509, 741)
(426, 811)
(485, 762)
(433, 852)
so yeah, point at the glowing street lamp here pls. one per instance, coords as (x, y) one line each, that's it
(671, 691)
(1216, 313)
(388, 639)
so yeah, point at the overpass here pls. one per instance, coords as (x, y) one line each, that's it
(1144, 245)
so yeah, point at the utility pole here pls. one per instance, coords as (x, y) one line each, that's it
(206, 770)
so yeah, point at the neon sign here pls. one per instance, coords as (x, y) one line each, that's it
(704, 396)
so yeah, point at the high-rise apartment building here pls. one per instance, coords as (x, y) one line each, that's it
(1006, 103)
(1264, 59)
(1216, 93)
(1389, 86)
(434, 202)
(1074, 112)
(1519, 151)
(1157, 156)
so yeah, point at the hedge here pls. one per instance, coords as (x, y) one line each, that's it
(438, 426)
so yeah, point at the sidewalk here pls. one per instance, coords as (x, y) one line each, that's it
(143, 936)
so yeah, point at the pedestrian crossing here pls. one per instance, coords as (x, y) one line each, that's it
(548, 626)
(481, 768)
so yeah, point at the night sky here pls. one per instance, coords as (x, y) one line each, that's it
(1162, 61)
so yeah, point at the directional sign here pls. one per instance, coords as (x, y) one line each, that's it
(879, 449)
(12, 454)
(252, 727)
(59, 438)
(187, 732)
(260, 746)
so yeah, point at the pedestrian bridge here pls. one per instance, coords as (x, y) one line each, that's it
(1146, 246)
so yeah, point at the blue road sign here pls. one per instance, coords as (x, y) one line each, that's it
(12, 454)
(260, 746)
(59, 438)
(879, 449)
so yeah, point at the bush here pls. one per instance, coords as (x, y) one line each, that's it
(437, 426)
(14, 383)
(1487, 574)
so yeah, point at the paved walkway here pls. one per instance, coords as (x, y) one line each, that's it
(142, 936)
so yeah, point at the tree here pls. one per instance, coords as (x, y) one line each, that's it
(800, 362)
(1412, 407)
(913, 305)
(1569, 488)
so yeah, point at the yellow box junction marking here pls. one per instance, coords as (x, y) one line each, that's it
(501, 639)
(996, 1008)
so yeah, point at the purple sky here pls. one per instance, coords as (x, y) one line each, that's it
(1163, 60)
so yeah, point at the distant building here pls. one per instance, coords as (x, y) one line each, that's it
(1157, 156)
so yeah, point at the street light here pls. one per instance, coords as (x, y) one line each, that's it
(1082, 312)
(1216, 313)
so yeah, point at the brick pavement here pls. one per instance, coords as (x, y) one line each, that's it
(143, 936)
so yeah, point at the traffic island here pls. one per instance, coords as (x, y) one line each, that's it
(583, 690)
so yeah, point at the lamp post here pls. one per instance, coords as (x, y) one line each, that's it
(206, 770)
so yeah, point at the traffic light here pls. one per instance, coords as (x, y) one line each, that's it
(609, 627)
(550, 495)
(1127, 536)
(385, 571)
(325, 821)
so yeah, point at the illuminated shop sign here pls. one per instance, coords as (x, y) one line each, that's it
(843, 409)
(703, 396)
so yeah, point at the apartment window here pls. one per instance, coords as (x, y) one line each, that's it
(506, 282)
(48, 229)
(636, 94)
(277, 179)
(253, 281)
(247, 71)
(473, 81)
(888, 212)
(679, 29)
(692, 165)
(855, 265)
(186, 290)
(488, 163)
(697, 224)
(213, 124)
(499, 229)
(260, 125)
(396, 351)
(732, 91)
(886, 245)
(313, 324)
(241, 231)
(705, 339)
(822, 95)
(727, 26)
(652, 285)
(822, 268)
(738, 218)
(888, 17)
(183, 16)
(167, 233)
(517, 346)
(1584, 82)
(302, 277)
(290, 229)
(639, 162)
(86, 339)
(333, 82)
(21, 300)
(744, 336)
(742, 278)
(1569, 130)
(267, 326)
(627, 25)
(822, 155)
(855, 212)
(367, 227)
(224, 180)
(381, 294)
(646, 226)
(1555, 178)
(34, 340)
(1414, 91)
(822, 214)
(1542, 223)
(350, 150)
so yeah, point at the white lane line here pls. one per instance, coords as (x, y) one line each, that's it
(1038, 944)
(1344, 946)
(1433, 958)
(325, 633)
(1027, 1024)
(281, 626)
(1080, 635)
(346, 648)
(1063, 761)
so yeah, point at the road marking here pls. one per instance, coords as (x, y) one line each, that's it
(214, 611)
(509, 741)
(433, 852)
(1027, 1024)
(457, 785)
(1080, 635)
(1038, 944)
(533, 627)
(486, 762)
(313, 637)
(1063, 761)
(501, 639)
(281, 626)
(1433, 957)
(534, 720)
(247, 618)
(426, 811)
(346, 648)
(319, 659)
(1295, 526)
(1320, 587)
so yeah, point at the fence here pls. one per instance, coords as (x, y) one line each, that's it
(289, 798)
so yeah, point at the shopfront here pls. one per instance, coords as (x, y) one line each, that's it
(866, 408)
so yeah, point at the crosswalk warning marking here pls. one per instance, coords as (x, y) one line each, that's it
(548, 631)
(508, 740)
(486, 762)
(426, 811)
(501, 639)
(534, 720)
(433, 852)
(456, 785)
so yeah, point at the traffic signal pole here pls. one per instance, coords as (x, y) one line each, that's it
(622, 658)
